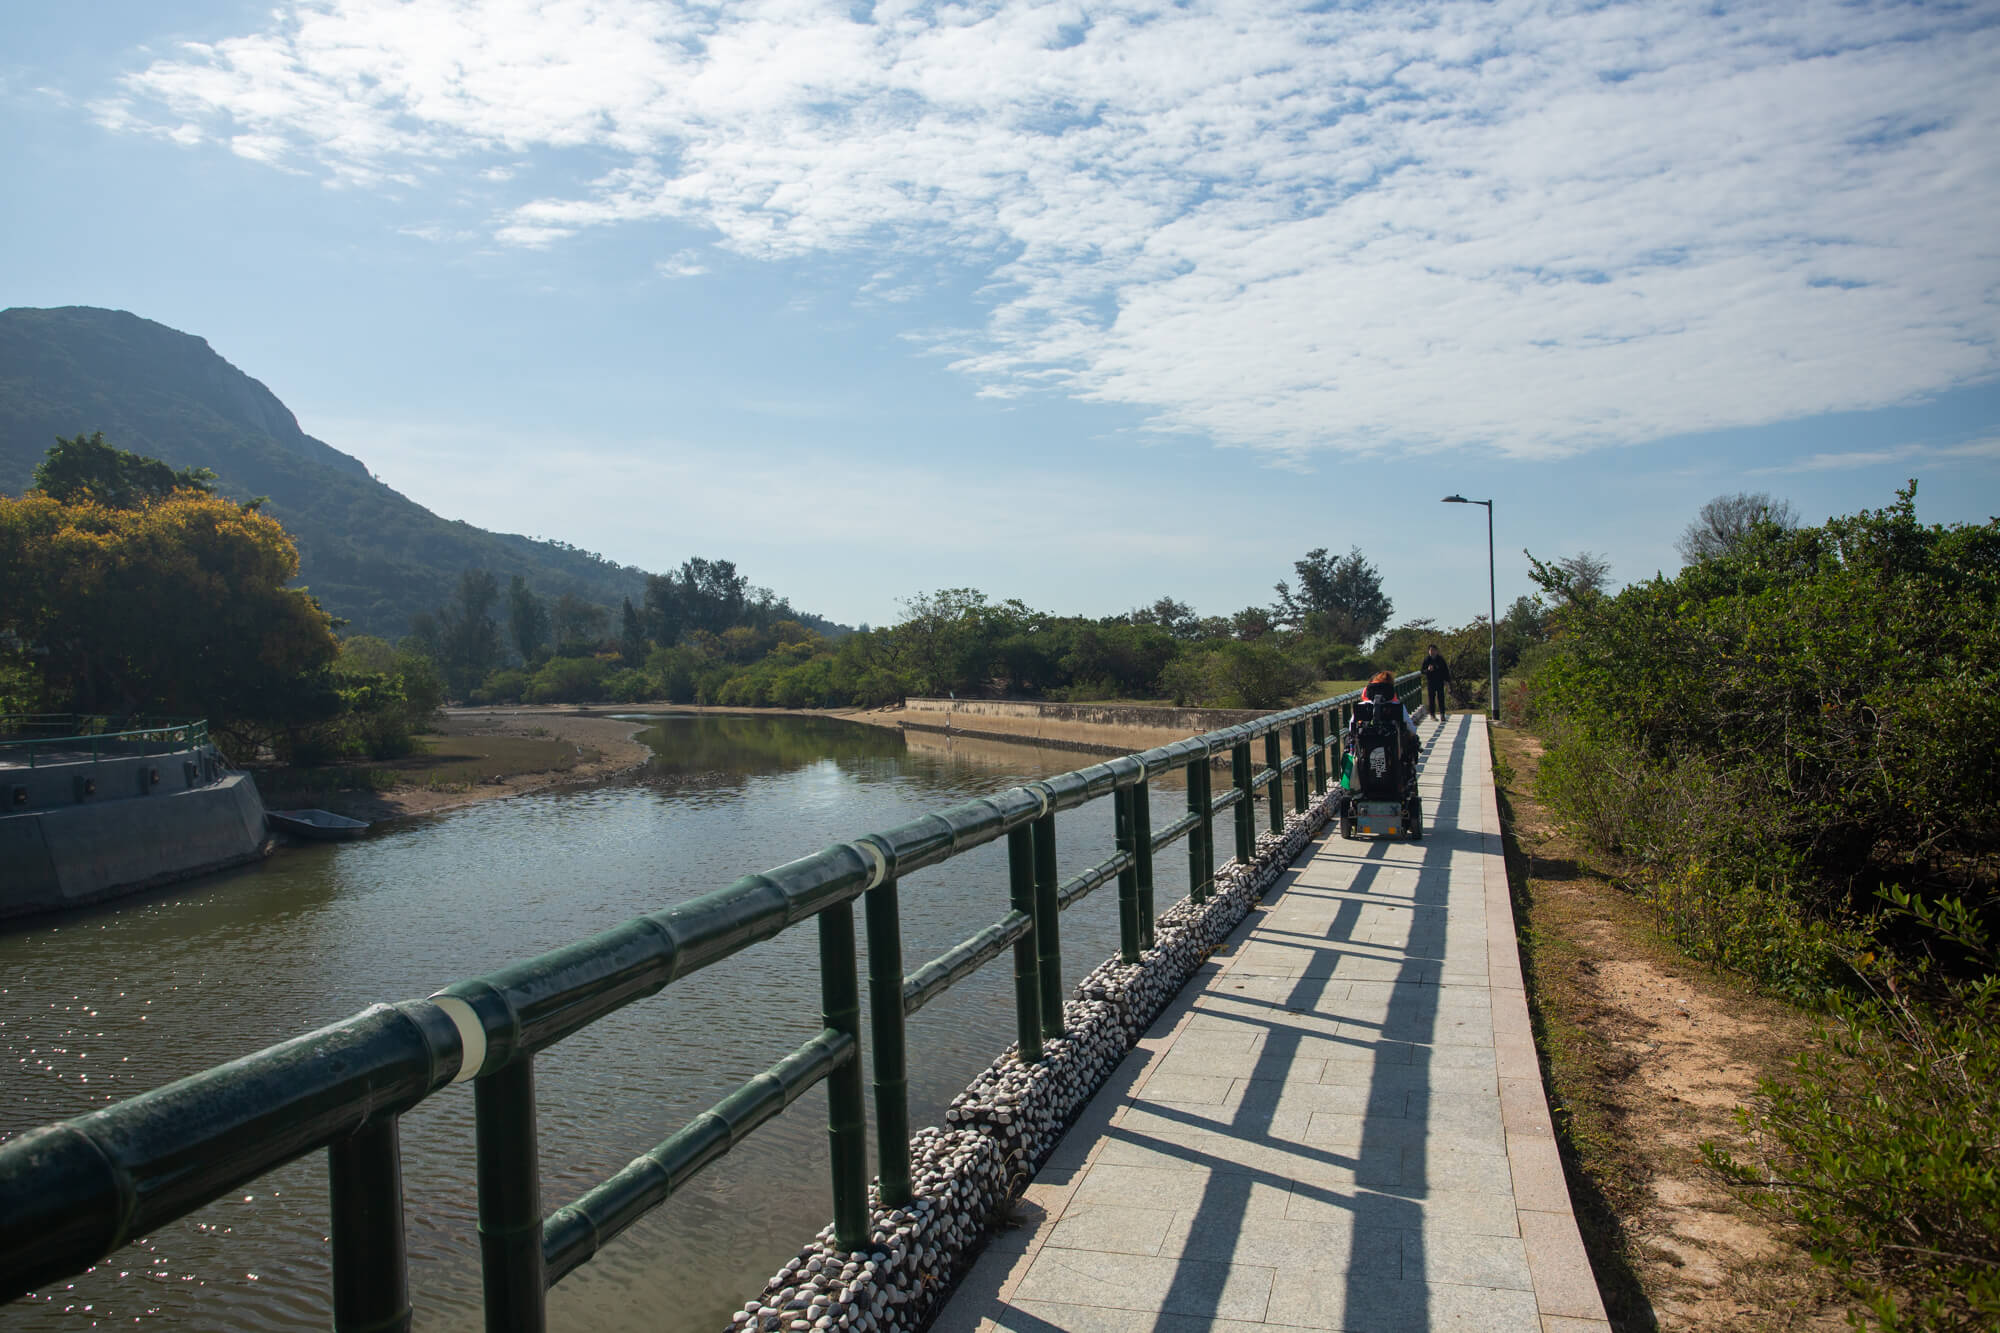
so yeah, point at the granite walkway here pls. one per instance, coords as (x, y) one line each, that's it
(1339, 1124)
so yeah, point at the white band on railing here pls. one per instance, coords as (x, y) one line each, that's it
(875, 857)
(1042, 794)
(471, 1035)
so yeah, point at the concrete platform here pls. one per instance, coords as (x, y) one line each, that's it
(1340, 1124)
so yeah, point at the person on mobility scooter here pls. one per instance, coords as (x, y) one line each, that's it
(1379, 771)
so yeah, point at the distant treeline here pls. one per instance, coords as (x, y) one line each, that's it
(703, 635)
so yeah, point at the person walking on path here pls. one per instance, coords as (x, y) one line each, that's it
(1437, 672)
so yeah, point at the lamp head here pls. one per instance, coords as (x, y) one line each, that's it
(1456, 500)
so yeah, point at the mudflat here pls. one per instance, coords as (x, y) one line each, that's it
(478, 754)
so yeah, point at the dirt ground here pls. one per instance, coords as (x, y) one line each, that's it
(1647, 1054)
(487, 754)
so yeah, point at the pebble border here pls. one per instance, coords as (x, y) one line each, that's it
(1007, 1122)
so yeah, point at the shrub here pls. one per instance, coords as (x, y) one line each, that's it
(1794, 743)
(630, 686)
(1261, 675)
(569, 680)
(505, 686)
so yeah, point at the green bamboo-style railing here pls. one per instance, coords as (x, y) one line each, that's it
(71, 1193)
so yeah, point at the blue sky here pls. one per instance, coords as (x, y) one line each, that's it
(1082, 304)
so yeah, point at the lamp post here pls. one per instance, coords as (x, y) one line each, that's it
(1492, 620)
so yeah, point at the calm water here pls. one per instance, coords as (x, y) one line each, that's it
(96, 1008)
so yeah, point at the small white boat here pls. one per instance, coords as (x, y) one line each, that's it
(322, 825)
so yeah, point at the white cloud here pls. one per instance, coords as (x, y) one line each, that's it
(1898, 453)
(681, 264)
(1532, 225)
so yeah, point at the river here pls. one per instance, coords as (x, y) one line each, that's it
(99, 1006)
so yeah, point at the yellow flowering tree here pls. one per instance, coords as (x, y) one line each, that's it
(173, 604)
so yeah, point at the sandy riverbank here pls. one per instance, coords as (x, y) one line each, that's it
(543, 748)
(1090, 737)
(540, 747)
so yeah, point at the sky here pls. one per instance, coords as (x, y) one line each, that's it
(1083, 304)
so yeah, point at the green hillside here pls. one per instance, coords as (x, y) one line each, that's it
(369, 554)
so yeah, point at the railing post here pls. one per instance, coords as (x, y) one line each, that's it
(1299, 774)
(510, 1199)
(1048, 925)
(1346, 717)
(1125, 834)
(846, 1116)
(1319, 754)
(1207, 829)
(371, 1276)
(1142, 847)
(1246, 807)
(1197, 804)
(1027, 983)
(1276, 796)
(885, 1020)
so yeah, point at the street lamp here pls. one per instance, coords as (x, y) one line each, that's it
(1492, 621)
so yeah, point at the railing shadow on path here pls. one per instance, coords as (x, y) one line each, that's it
(1295, 1107)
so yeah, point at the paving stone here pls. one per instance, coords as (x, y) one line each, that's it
(1137, 1282)
(1232, 1196)
(1467, 1260)
(1363, 1303)
(1340, 1246)
(1112, 1227)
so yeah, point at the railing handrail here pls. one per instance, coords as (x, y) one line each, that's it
(189, 734)
(73, 1192)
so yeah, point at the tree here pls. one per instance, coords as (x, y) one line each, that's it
(82, 469)
(932, 634)
(1526, 621)
(665, 615)
(1404, 646)
(1571, 579)
(364, 654)
(711, 594)
(1175, 617)
(1726, 520)
(468, 639)
(1338, 598)
(175, 607)
(631, 635)
(1250, 624)
(527, 620)
(579, 624)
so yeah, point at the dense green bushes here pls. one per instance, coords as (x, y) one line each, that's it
(704, 636)
(953, 641)
(1836, 689)
(385, 697)
(1794, 742)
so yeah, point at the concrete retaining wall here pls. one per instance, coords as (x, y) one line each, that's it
(1186, 721)
(67, 850)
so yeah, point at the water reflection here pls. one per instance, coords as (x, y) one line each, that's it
(102, 1005)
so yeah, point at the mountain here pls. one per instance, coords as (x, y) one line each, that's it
(368, 553)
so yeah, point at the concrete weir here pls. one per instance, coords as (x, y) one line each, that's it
(81, 829)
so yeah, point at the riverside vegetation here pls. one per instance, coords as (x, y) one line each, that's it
(703, 636)
(1790, 745)
(143, 590)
